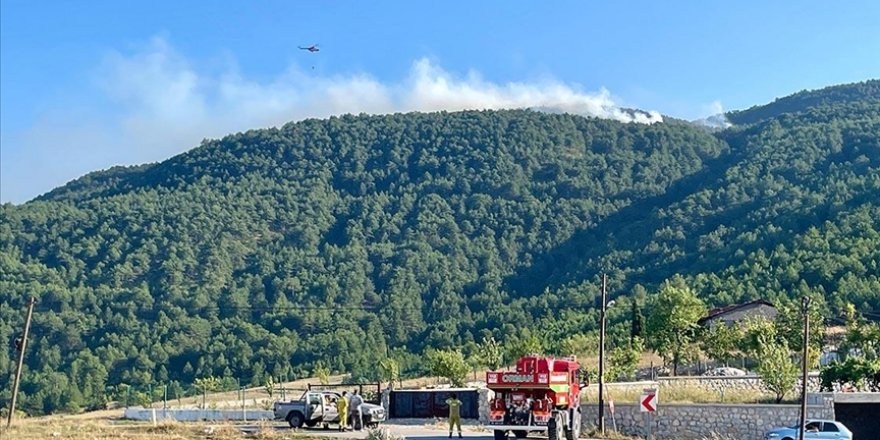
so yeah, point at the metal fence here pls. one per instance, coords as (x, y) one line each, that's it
(432, 403)
(370, 392)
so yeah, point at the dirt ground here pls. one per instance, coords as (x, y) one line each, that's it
(97, 428)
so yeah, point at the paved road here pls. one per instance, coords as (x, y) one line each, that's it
(415, 430)
(410, 431)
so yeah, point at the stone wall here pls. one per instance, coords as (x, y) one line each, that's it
(734, 383)
(485, 395)
(697, 421)
(718, 385)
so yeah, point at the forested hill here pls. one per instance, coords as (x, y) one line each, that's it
(342, 241)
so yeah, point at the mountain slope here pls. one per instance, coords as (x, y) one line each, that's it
(336, 241)
(842, 95)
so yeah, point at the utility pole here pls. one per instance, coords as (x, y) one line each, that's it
(602, 358)
(21, 349)
(805, 309)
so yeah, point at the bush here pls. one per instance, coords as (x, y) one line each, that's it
(856, 371)
(382, 434)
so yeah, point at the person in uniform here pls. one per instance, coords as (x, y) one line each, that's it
(342, 410)
(454, 413)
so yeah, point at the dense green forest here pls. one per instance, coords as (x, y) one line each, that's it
(336, 243)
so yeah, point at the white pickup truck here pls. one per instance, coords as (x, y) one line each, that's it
(315, 408)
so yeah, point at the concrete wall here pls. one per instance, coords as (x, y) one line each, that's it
(191, 415)
(859, 412)
(696, 421)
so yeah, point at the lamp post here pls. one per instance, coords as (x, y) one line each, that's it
(805, 309)
(604, 306)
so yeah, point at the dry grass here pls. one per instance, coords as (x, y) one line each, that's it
(676, 394)
(609, 434)
(70, 428)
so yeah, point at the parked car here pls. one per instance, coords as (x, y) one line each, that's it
(319, 407)
(725, 372)
(816, 429)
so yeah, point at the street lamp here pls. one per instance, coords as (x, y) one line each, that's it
(805, 309)
(604, 306)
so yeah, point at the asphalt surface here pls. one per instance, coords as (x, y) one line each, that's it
(410, 431)
(414, 430)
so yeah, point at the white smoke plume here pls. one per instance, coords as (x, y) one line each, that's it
(160, 104)
(716, 120)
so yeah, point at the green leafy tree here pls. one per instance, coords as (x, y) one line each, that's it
(491, 352)
(583, 345)
(777, 370)
(269, 386)
(624, 360)
(208, 384)
(862, 337)
(322, 373)
(790, 325)
(389, 370)
(448, 364)
(756, 334)
(637, 320)
(720, 342)
(672, 323)
(528, 343)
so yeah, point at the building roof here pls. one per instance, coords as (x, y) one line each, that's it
(715, 313)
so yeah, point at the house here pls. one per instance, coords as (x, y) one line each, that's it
(739, 313)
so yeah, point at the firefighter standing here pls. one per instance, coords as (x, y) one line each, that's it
(454, 413)
(342, 410)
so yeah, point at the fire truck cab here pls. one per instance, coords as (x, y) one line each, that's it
(542, 394)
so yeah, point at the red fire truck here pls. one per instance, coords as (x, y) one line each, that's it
(542, 394)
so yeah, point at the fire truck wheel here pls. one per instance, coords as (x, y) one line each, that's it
(500, 434)
(554, 427)
(520, 433)
(573, 431)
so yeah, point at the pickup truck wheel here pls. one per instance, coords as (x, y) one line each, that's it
(520, 434)
(500, 434)
(295, 420)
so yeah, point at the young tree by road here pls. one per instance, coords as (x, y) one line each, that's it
(673, 321)
(492, 353)
(448, 364)
(776, 368)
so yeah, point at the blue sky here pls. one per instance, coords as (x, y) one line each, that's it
(88, 85)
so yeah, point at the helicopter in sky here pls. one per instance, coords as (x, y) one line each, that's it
(312, 48)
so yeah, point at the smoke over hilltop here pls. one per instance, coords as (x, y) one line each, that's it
(157, 103)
